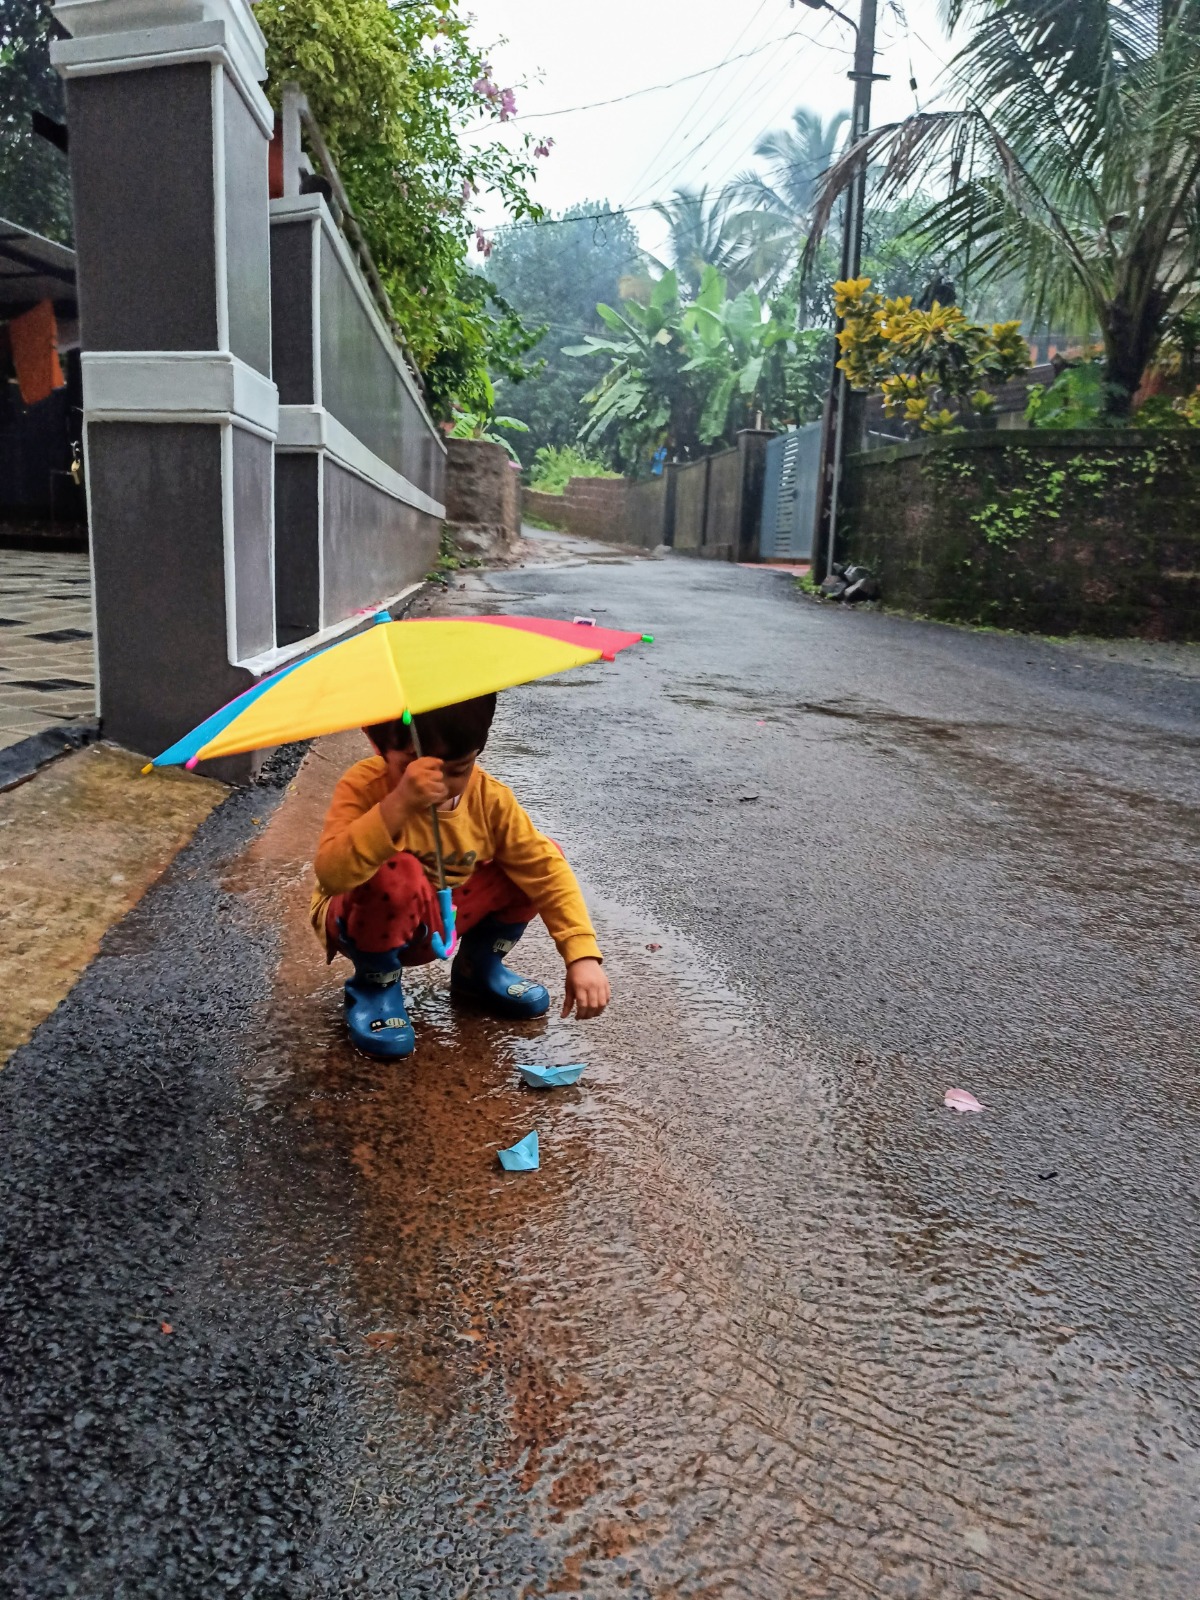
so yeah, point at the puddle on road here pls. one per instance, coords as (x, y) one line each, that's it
(696, 1354)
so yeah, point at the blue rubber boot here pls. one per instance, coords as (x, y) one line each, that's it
(480, 976)
(376, 1018)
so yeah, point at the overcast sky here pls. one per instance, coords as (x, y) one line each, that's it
(570, 54)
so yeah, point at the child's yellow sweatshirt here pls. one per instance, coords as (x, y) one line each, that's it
(487, 824)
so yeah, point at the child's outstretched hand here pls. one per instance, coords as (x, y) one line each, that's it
(588, 989)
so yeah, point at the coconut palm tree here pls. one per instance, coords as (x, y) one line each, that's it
(769, 213)
(700, 236)
(797, 158)
(1072, 158)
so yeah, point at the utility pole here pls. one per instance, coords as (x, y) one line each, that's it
(845, 411)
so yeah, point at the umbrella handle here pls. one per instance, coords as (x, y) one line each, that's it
(443, 948)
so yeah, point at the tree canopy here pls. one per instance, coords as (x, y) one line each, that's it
(35, 188)
(554, 274)
(395, 84)
(1071, 162)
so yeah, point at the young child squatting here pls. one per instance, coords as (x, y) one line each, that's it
(376, 875)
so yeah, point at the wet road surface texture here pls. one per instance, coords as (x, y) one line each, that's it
(770, 1320)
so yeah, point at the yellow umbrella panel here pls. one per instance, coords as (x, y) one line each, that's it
(385, 671)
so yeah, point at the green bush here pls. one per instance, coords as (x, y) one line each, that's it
(555, 465)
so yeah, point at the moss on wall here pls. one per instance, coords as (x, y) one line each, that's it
(1055, 531)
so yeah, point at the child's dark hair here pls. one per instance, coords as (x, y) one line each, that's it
(450, 733)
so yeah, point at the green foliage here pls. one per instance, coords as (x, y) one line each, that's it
(553, 276)
(687, 376)
(916, 358)
(449, 559)
(481, 425)
(555, 465)
(1019, 494)
(1076, 399)
(732, 341)
(803, 371)
(1070, 162)
(35, 189)
(645, 398)
(704, 231)
(393, 86)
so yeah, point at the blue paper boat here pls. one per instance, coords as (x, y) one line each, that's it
(552, 1077)
(522, 1156)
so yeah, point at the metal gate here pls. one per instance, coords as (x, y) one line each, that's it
(790, 494)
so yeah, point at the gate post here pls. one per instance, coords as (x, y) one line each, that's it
(169, 131)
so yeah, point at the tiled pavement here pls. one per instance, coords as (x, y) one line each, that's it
(47, 672)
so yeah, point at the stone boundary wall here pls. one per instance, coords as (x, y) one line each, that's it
(590, 508)
(1053, 531)
(483, 497)
(710, 508)
(551, 508)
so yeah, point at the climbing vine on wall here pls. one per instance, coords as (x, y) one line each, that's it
(1033, 498)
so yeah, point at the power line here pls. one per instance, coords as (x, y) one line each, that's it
(655, 88)
(587, 216)
(761, 92)
(757, 92)
(657, 156)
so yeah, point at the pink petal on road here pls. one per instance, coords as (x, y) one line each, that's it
(960, 1100)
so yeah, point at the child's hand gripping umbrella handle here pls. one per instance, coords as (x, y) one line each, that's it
(442, 944)
(444, 947)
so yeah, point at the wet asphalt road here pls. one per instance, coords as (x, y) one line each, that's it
(770, 1321)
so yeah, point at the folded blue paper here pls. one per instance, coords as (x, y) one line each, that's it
(522, 1156)
(552, 1077)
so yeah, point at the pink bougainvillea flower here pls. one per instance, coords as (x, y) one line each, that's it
(468, 189)
(482, 243)
(960, 1100)
(485, 88)
(508, 105)
(544, 148)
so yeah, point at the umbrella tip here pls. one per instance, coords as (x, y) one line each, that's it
(192, 763)
(382, 616)
(647, 638)
(406, 717)
(149, 767)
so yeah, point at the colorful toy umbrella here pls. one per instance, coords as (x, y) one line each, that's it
(396, 669)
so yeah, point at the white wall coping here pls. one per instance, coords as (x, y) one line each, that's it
(95, 50)
(312, 428)
(169, 384)
(312, 207)
(271, 660)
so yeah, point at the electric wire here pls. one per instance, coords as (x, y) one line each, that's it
(694, 146)
(639, 182)
(756, 112)
(762, 94)
(653, 88)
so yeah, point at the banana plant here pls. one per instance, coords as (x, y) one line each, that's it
(682, 375)
(647, 397)
(733, 342)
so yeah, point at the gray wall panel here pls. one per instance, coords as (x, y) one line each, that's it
(297, 546)
(374, 545)
(291, 311)
(247, 241)
(253, 498)
(359, 381)
(160, 579)
(142, 178)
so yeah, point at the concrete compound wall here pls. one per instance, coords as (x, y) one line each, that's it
(359, 465)
(711, 507)
(1057, 531)
(260, 461)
